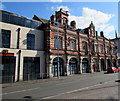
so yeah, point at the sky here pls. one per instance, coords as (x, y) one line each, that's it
(103, 14)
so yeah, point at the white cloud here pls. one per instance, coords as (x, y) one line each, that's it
(56, 0)
(109, 29)
(100, 20)
(58, 8)
(2, 6)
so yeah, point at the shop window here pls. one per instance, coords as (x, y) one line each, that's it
(31, 68)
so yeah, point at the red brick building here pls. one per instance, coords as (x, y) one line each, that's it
(73, 51)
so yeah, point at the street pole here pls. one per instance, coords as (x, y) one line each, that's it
(58, 40)
(58, 66)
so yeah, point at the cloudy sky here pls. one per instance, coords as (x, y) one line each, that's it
(103, 14)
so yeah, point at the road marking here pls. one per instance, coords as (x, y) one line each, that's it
(74, 90)
(21, 91)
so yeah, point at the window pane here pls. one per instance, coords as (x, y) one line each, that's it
(35, 24)
(30, 41)
(5, 34)
(13, 19)
(73, 44)
(5, 17)
(28, 23)
(31, 67)
(57, 42)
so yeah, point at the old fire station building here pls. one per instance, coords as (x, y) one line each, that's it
(73, 51)
(37, 47)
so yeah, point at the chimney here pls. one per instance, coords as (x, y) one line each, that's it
(116, 35)
(96, 33)
(101, 34)
(52, 18)
(73, 24)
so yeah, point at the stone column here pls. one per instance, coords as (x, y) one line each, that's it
(100, 66)
(50, 70)
(106, 64)
(92, 65)
(67, 68)
(81, 65)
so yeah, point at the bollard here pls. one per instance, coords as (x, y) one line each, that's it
(42, 75)
(28, 76)
(12, 78)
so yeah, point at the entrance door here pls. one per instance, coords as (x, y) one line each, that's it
(57, 65)
(73, 66)
(85, 65)
(8, 69)
(102, 65)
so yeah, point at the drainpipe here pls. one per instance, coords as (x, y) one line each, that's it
(18, 37)
(19, 53)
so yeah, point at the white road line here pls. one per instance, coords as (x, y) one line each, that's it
(74, 90)
(21, 91)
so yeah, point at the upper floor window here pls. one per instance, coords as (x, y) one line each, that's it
(30, 41)
(101, 49)
(73, 44)
(93, 46)
(107, 50)
(5, 35)
(96, 47)
(64, 21)
(58, 42)
(84, 45)
(114, 50)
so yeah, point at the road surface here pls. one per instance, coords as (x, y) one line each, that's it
(66, 85)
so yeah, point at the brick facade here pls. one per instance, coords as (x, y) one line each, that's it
(96, 55)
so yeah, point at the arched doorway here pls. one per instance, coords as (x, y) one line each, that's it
(57, 67)
(85, 68)
(94, 66)
(114, 63)
(73, 66)
(102, 65)
(108, 63)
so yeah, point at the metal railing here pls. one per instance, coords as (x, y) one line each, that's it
(25, 77)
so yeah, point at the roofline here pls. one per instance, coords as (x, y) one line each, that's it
(16, 15)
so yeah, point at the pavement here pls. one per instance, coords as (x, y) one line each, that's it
(84, 75)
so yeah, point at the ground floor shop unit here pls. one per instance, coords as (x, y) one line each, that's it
(19, 65)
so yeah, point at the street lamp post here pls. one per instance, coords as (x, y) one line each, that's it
(58, 60)
(58, 40)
